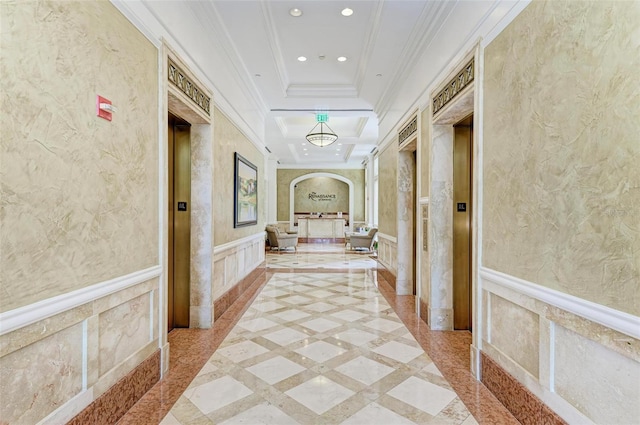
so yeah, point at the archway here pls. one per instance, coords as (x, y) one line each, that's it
(310, 176)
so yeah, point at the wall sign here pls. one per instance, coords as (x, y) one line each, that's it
(322, 196)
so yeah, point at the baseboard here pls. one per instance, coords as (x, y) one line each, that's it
(522, 403)
(388, 276)
(424, 311)
(221, 304)
(117, 400)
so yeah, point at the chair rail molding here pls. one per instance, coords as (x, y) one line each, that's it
(32, 313)
(606, 316)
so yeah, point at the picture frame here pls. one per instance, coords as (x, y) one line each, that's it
(245, 211)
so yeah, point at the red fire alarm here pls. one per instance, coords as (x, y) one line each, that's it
(104, 108)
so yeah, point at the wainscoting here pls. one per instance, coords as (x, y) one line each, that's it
(67, 351)
(579, 358)
(233, 266)
(388, 252)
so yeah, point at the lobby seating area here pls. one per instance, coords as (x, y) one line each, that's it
(362, 240)
(280, 240)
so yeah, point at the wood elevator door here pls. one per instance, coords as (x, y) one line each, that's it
(462, 209)
(179, 222)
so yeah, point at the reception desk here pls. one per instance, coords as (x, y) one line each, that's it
(314, 229)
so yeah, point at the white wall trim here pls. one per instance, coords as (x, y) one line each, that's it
(233, 244)
(32, 313)
(605, 316)
(387, 237)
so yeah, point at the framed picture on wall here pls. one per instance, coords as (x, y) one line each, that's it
(245, 192)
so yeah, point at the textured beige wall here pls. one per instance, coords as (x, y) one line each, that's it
(321, 186)
(285, 176)
(228, 139)
(561, 150)
(79, 195)
(388, 191)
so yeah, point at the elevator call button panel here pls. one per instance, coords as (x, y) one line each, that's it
(462, 206)
(182, 206)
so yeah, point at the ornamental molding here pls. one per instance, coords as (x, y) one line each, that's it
(188, 87)
(454, 87)
(408, 130)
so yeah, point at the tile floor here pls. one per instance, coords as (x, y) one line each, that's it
(324, 341)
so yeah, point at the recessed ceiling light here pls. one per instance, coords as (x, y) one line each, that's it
(302, 58)
(339, 144)
(295, 12)
(342, 59)
(337, 154)
(304, 149)
(347, 12)
(306, 154)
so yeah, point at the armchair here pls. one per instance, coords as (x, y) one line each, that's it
(363, 241)
(280, 240)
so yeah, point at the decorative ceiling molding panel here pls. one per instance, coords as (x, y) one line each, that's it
(305, 90)
(274, 45)
(428, 26)
(370, 44)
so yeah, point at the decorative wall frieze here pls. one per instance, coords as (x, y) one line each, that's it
(188, 87)
(408, 130)
(455, 86)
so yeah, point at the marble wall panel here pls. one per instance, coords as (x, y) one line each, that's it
(561, 90)
(406, 197)
(441, 221)
(388, 191)
(515, 331)
(425, 151)
(228, 139)
(599, 382)
(286, 176)
(202, 192)
(47, 374)
(124, 330)
(79, 194)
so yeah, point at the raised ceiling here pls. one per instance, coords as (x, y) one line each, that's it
(249, 49)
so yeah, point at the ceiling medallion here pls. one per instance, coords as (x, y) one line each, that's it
(325, 136)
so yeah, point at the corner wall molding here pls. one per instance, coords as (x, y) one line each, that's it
(32, 313)
(230, 245)
(598, 313)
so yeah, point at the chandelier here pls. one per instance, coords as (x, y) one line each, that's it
(325, 136)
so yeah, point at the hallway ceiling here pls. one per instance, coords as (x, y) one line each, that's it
(394, 50)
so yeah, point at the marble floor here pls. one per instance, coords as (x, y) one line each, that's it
(322, 340)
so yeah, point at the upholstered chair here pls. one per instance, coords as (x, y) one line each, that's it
(281, 240)
(363, 241)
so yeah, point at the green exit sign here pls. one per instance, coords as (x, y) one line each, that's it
(322, 117)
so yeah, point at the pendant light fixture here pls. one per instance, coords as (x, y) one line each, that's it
(325, 136)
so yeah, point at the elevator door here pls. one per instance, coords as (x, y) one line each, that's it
(179, 231)
(462, 208)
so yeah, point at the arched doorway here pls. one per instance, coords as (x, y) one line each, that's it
(297, 180)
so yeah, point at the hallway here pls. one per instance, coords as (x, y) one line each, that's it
(320, 338)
